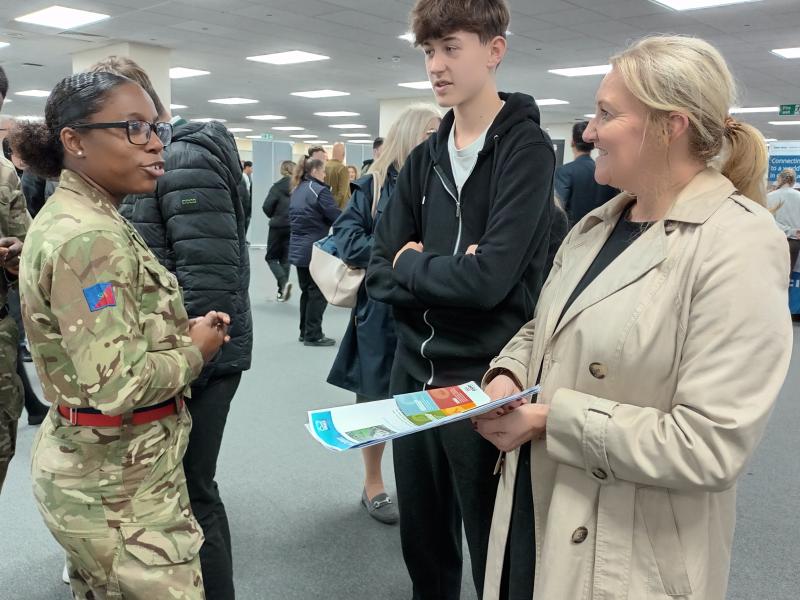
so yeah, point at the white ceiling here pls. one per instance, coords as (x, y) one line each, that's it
(369, 61)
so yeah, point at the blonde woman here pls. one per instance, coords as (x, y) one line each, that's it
(365, 358)
(661, 340)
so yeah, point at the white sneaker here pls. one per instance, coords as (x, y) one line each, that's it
(65, 574)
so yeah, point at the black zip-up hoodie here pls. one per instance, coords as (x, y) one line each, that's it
(455, 312)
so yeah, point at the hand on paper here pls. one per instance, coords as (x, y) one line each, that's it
(512, 430)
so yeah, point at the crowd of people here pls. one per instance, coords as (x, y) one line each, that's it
(605, 281)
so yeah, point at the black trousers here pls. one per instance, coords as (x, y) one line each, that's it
(444, 478)
(312, 306)
(209, 407)
(520, 558)
(278, 254)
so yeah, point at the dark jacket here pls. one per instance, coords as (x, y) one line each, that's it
(454, 312)
(36, 190)
(312, 211)
(276, 204)
(577, 190)
(195, 225)
(364, 361)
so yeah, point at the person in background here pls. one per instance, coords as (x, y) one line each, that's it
(575, 185)
(14, 224)
(377, 145)
(247, 177)
(195, 223)
(318, 153)
(312, 211)
(276, 208)
(336, 176)
(352, 171)
(364, 361)
(33, 405)
(661, 341)
(784, 202)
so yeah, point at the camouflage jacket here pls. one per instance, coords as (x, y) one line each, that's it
(105, 320)
(14, 218)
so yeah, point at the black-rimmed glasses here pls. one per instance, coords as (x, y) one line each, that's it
(139, 132)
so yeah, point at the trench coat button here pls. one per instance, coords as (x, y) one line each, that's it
(600, 474)
(598, 370)
(579, 535)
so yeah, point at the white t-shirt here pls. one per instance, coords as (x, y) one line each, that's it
(463, 161)
(787, 215)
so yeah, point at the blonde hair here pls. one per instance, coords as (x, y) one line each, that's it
(403, 137)
(287, 168)
(786, 177)
(689, 76)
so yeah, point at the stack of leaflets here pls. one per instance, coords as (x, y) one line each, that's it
(361, 425)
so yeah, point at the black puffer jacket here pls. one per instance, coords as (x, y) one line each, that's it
(195, 225)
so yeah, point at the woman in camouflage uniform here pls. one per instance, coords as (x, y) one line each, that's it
(113, 347)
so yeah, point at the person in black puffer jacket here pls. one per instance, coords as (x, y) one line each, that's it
(195, 224)
(312, 211)
(276, 207)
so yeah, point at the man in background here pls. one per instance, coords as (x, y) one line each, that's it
(377, 147)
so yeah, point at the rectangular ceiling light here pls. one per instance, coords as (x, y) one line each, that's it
(770, 139)
(348, 126)
(408, 37)
(4, 44)
(320, 94)
(34, 93)
(238, 129)
(303, 136)
(253, 137)
(207, 120)
(581, 71)
(292, 57)
(177, 106)
(337, 113)
(359, 142)
(589, 115)
(288, 128)
(417, 85)
(784, 122)
(356, 135)
(551, 102)
(697, 4)
(266, 117)
(183, 73)
(62, 18)
(754, 109)
(318, 142)
(787, 52)
(234, 101)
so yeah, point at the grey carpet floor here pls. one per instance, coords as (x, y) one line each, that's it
(298, 530)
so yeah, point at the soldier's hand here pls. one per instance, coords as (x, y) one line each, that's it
(10, 250)
(208, 333)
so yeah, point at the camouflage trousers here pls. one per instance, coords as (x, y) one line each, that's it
(115, 499)
(11, 398)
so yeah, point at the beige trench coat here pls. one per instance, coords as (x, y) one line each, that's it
(660, 379)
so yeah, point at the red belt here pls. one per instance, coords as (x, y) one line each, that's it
(87, 417)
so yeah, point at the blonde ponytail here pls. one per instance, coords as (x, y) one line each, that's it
(745, 161)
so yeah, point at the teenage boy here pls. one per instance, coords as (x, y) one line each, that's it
(461, 256)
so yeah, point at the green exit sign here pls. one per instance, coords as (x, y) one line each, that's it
(266, 136)
(789, 110)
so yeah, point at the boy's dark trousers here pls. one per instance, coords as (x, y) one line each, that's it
(444, 477)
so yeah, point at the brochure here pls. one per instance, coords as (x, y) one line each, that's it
(361, 425)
